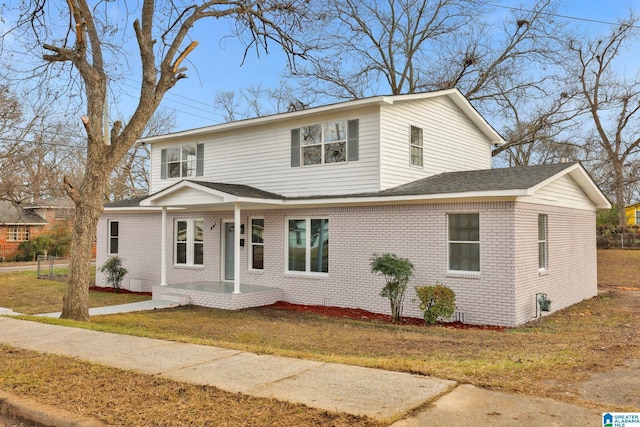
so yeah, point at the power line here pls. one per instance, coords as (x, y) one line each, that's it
(556, 15)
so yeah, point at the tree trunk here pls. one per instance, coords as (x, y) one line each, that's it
(88, 211)
(618, 179)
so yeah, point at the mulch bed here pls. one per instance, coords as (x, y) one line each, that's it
(117, 291)
(359, 314)
(347, 313)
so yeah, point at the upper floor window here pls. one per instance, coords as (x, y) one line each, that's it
(320, 143)
(638, 217)
(542, 242)
(182, 161)
(416, 146)
(114, 236)
(464, 242)
(18, 233)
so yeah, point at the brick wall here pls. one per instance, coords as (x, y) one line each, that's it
(503, 293)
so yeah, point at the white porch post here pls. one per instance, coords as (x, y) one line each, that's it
(163, 249)
(236, 249)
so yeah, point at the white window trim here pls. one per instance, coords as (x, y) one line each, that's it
(190, 242)
(195, 162)
(462, 273)
(307, 271)
(109, 237)
(411, 145)
(322, 143)
(14, 232)
(250, 243)
(545, 241)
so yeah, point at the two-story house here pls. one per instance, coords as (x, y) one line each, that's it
(292, 206)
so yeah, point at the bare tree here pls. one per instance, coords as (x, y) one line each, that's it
(256, 101)
(610, 102)
(84, 39)
(407, 46)
(130, 177)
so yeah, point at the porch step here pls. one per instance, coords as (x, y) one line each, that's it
(181, 299)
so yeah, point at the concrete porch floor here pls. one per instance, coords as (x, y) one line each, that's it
(218, 294)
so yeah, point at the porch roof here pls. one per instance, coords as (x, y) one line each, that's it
(502, 182)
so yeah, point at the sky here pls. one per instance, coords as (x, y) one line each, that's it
(220, 68)
(216, 65)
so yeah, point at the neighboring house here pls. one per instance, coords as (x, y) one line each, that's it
(17, 225)
(292, 206)
(633, 214)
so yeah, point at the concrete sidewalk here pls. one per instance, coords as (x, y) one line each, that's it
(380, 394)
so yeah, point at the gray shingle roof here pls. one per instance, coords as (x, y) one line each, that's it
(515, 178)
(11, 214)
(240, 190)
(128, 203)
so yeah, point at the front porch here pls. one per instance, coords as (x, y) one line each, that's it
(219, 294)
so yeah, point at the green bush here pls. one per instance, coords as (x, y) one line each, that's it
(115, 272)
(436, 301)
(55, 242)
(397, 272)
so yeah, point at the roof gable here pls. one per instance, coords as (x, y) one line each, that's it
(453, 94)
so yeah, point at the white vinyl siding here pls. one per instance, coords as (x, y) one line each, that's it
(261, 157)
(450, 141)
(563, 191)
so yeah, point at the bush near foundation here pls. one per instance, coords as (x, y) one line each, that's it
(436, 302)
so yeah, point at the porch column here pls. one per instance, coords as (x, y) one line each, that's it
(163, 249)
(236, 249)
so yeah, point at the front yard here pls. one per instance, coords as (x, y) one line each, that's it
(553, 357)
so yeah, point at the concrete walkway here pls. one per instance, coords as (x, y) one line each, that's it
(380, 394)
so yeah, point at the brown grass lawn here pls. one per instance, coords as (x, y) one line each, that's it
(549, 357)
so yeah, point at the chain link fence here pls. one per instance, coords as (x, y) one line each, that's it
(618, 240)
(46, 267)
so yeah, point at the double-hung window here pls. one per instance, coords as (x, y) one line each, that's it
(182, 161)
(18, 233)
(416, 146)
(324, 143)
(335, 141)
(189, 242)
(308, 245)
(114, 237)
(464, 242)
(543, 245)
(257, 244)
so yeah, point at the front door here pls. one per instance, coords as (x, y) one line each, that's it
(229, 241)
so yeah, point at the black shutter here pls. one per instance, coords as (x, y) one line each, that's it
(295, 148)
(163, 164)
(199, 159)
(353, 144)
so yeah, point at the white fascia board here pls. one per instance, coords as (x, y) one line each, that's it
(453, 94)
(240, 124)
(123, 209)
(409, 198)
